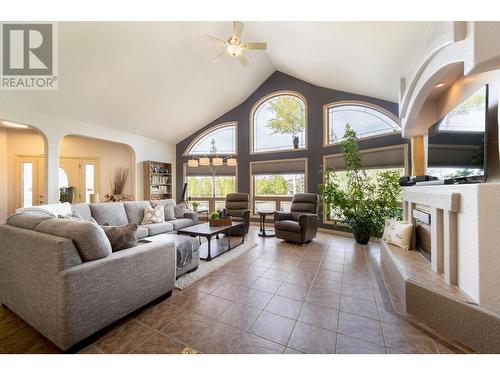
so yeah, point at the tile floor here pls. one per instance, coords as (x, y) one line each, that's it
(325, 297)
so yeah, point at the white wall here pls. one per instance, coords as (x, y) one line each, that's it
(55, 128)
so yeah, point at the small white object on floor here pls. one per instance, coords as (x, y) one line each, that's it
(206, 268)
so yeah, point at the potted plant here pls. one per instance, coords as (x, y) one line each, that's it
(67, 194)
(195, 205)
(288, 117)
(360, 200)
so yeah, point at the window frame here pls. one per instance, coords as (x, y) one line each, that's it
(277, 199)
(260, 102)
(187, 151)
(406, 167)
(359, 103)
(212, 199)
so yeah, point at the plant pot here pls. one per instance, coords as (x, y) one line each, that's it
(295, 142)
(361, 236)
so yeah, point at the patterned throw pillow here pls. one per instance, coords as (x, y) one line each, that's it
(179, 211)
(153, 215)
(399, 234)
(121, 237)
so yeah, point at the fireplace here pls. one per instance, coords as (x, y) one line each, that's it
(422, 218)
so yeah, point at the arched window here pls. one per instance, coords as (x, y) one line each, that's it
(220, 139)
(366, 119)
(278, 122)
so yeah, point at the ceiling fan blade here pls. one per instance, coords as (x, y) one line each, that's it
(220, 56)
(237, 30)
(243, 60)
(254, 45)
(216, 40)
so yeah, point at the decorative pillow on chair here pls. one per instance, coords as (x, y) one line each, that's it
(399, 233)
(121, 237)
(153, 215)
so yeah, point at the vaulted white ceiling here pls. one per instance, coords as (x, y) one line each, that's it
(157, 79)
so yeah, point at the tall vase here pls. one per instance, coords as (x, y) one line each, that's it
(295, 142)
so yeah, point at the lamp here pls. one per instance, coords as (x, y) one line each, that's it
(217, 161)
(231, 162)
(193, 163)
(204, 161)
(234, 49)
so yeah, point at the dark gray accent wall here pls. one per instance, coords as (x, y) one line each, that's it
(316, 98)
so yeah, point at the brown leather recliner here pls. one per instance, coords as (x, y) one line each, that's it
(238, 207)
(300, 225)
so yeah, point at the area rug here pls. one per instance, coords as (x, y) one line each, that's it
(206, 268)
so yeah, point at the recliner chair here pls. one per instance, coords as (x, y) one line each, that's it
(300, 225)
(237, 206)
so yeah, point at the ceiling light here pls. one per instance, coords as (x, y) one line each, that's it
(217, 162)
(440, 84)
(15, 125)
(193, 163)
(231, 162)
(234, 49)
(204, 161)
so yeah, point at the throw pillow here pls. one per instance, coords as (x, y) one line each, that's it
(169, 213)
(400, 234)
(153, 215)
(179, 211)
(76, 216)
(122, 237)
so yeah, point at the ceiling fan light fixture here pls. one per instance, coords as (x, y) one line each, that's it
(234, 49)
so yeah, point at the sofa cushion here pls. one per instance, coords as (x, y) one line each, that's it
(142, 232)
(109, 213)
(169, 212)
(163, 202)
(121, 237)
(158, 228)
(287, 226)
(29, 219)
(153, 215)
(83, 209)
(89, 238)
(135, 210)
(181, 223)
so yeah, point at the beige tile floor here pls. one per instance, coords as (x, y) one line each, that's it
(324, 297)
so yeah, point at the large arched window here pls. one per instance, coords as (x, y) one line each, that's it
(366, 119)
(278, 122)
(220, 139)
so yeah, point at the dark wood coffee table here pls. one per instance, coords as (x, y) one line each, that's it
(207, 251)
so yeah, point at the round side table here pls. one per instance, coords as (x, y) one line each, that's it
(263, 232)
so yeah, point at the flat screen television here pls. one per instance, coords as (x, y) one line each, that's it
(456, 149)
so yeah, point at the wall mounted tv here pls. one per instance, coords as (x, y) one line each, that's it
(456, 150)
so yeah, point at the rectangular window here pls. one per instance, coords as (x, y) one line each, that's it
(89, 181)
(279, 184)
(27, 182)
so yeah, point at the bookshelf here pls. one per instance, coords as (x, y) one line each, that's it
(157, 180)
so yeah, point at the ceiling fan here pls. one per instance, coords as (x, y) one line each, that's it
(234, 46)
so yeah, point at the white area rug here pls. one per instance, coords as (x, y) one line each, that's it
(205, 267)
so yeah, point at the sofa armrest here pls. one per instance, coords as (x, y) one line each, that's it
(191, 215)
(97, 293)
(280, 215)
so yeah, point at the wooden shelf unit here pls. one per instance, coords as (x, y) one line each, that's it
(157, 175)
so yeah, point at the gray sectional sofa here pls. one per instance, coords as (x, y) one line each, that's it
(62, 278)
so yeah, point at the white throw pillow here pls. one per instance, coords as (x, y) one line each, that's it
(399, 234)
(153, 215)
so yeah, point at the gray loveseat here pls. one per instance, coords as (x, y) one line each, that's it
(61, 277)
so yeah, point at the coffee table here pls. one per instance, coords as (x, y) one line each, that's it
(207, 251)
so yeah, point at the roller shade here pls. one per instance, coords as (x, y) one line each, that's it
(455, 156)
(386, 158)
(201, 170)
(279, 167)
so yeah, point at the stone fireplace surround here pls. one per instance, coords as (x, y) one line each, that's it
(457, 292)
